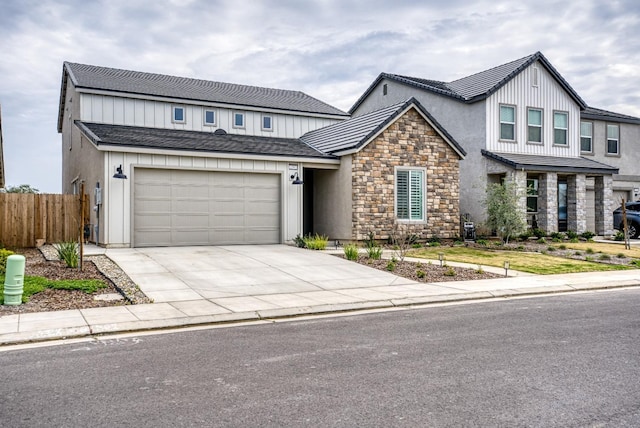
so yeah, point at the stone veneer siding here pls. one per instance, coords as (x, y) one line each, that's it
(409, 142)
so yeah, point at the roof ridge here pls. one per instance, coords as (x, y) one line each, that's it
(527, 59)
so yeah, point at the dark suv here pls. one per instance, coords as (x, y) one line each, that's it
(633, 218)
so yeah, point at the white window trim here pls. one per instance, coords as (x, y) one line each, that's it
(173, 114)
(586, 136)
(204, 117)
(514, 123)
(262, 122)
(606, 131)
(566, 130)
(423, 220)
(541, 126)
(244, 120)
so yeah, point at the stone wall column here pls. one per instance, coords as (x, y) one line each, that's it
(548, 202)
(603, 187)
(577, 203)
(519, 179)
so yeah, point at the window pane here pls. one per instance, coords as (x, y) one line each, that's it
(612, 131)
(585, 129)
(612, 146)
(239, 119)
(209, 117)
(535, 134)
(507, 114)
(178, 114)
(585, 144)
(532, 204)
(560, 120)
(535, 117)
(266, 122)
(560, 136)
(507, 131)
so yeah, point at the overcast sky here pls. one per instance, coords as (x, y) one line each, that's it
(330, 49)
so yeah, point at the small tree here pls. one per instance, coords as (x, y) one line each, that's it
(503, 214)
(23, 188)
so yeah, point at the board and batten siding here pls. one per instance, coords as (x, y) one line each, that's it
(157, 114)
(550, 97)
(118, 192)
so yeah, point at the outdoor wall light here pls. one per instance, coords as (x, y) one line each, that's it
(119, 173)
(296, 179)
(441, 258)
(506, 267)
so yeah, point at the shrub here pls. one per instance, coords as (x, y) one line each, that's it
(68, 252)
(619, 236)
(351, 252)
(587, 235)
(503, 213)
(621, 256)
(539, 233)
(480, 270)
(542, 241)
(577, 253)
(374, 253)
(299, 241)
(635, 262)
(526, 235)
(574, 240)
(420, 273)
(416, 245)
(557, 235)
(562, 247)
(4, 254)
(589, 251)
(450, 272)
(520, 248)
(391, 266)
(571, 234)
(605, 257)
(482, 242)
(371, 240)
(551, 248)
(317, 242)
(434, 244)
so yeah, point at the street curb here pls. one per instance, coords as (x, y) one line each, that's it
(289, 313)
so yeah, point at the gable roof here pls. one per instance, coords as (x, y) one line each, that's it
(353, 134)
(550, 163)
(599, 114)
(92, 77)
(477, 86)
(119, 136)
(1, 155)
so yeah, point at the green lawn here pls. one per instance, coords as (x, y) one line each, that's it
(36, 284)
(541, 264)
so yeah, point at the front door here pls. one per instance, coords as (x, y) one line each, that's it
(562, 205)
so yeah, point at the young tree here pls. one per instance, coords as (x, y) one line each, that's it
(23, 188)
(503, 214)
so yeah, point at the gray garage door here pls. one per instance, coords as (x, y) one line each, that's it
(178, 208)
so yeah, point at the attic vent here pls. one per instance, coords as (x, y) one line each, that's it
(220, 131)
(534, 76)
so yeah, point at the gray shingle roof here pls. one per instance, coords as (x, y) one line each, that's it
(135, 82)
(599, 114)
(172, 139)
(550, 163)
(353, 133)
(477, 86)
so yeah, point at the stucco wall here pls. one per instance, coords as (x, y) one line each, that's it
(332, 201)
(409, 142)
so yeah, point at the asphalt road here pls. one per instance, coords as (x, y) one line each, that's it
(571, 361)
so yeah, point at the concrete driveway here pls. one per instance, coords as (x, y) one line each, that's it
(254, 277)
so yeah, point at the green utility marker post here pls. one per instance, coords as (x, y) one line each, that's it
(14, 280)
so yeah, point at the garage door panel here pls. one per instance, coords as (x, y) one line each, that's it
(173, 207)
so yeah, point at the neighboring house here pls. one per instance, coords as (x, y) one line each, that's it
(173, 161)
(2, 183)
(520, 120)
(612, 138)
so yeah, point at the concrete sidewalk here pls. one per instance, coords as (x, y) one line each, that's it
(208, 306)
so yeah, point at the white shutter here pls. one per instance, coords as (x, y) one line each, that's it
(416, 195)
(402, 194)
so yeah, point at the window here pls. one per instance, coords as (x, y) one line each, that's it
(534, 118)
(613, 140)
(532, 195)
(586, 137)
(267, 123)
(238, 120)
(507, 123)
(560, 127)
(210, 117)
(178, 115)
(410, 191)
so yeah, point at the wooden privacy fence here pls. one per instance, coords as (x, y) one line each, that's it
(27, 218)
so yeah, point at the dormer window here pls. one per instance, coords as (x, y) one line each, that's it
(267, 123)
(210, 117)
(238, 120)
(178, 115)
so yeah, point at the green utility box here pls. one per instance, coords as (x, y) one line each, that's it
(14, 280)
